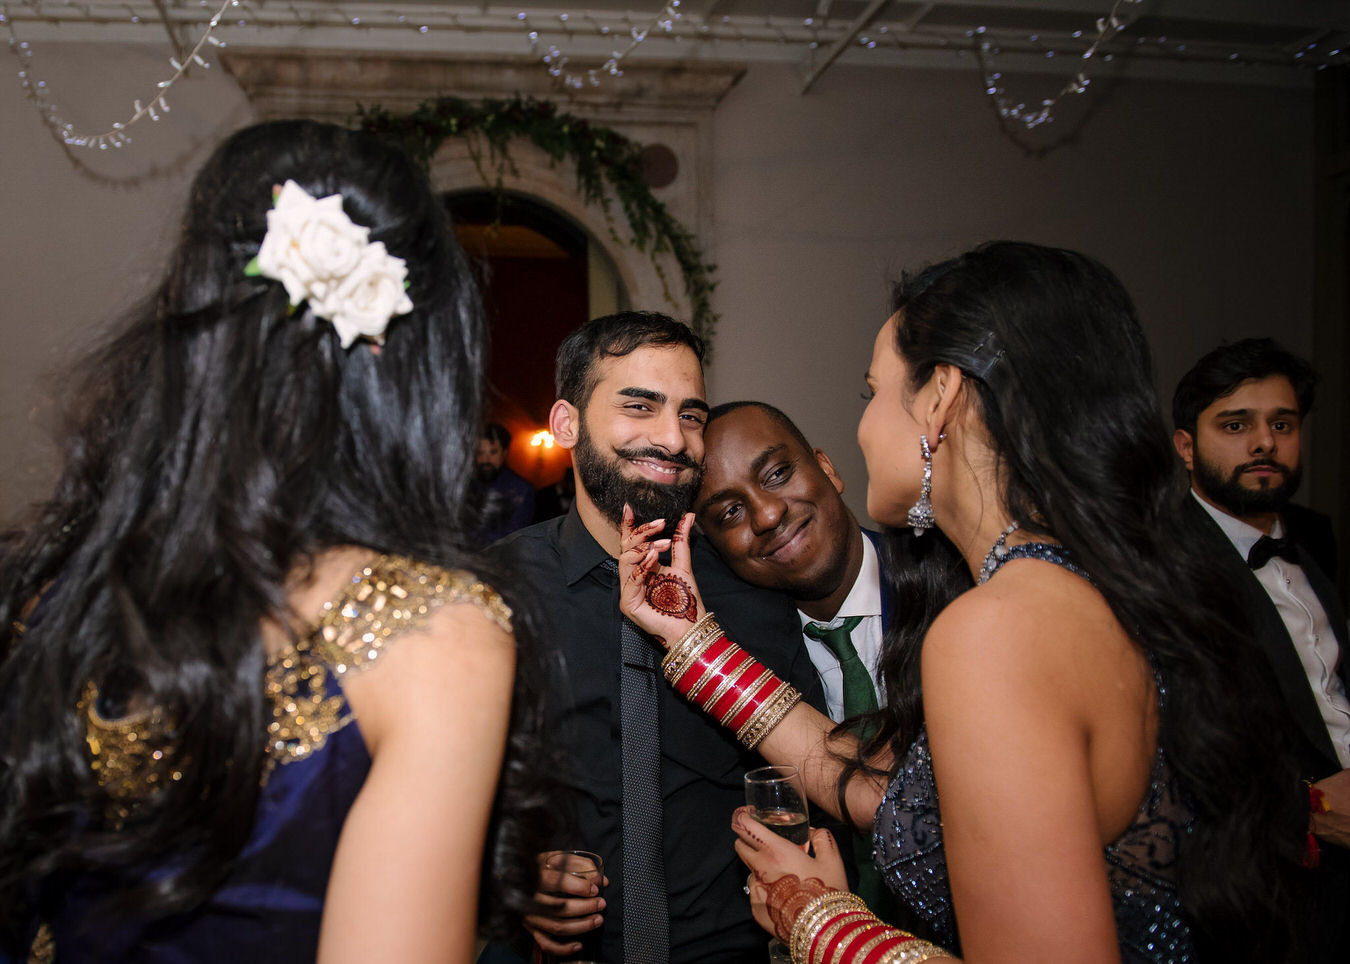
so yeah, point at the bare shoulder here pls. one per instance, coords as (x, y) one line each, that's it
(1035, 625)
(415, 645)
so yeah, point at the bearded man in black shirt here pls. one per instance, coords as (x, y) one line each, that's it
(653, 781)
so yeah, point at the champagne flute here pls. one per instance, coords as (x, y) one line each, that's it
(581, 864)
(776, 800)
(775, 797)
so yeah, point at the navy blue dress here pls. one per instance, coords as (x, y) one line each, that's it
(270, 905)
(1141, 867)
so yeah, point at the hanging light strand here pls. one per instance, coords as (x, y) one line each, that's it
(1121, 15)
(115, 136)
(557, 60)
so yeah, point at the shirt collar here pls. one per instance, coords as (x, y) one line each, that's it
(864, 599)
(1239, 533)
(579, 551)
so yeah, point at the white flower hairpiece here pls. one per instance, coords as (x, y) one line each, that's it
(315, 250)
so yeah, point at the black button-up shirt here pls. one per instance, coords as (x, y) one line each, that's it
(702, 765)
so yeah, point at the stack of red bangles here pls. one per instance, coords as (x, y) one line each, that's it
(729, 684)
(837, 928)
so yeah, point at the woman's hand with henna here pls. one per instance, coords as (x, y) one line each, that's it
(780, 869)
(661, 600)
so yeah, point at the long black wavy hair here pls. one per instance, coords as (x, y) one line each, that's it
(1048, 341)
(214, 446)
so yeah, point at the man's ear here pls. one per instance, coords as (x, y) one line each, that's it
(827, 467)
(1184, 443)
(564, 423)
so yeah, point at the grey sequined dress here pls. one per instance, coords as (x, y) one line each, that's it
(1140, 865)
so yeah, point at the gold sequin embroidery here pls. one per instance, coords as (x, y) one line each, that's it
(132, 756)
(390, 596)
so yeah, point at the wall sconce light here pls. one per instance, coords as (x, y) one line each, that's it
(541, 439)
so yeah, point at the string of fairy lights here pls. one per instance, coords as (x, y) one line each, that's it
(554, 38)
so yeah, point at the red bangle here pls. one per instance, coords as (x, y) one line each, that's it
(716, 676)
(834, 948)
(834, 927)
(693, 675)
(767, 689)
(746, 673)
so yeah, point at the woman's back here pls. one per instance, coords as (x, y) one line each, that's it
(333, 696)
(1033, 691)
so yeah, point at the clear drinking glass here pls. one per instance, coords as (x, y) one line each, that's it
(775, 797)
(575, 863)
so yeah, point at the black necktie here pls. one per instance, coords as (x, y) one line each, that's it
(1267, 548)
(646, 921)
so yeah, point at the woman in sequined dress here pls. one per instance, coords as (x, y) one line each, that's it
(1111, 786)
(257, 699)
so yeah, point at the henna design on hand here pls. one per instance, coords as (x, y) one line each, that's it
(669, 594)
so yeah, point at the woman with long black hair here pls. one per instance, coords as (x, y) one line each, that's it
(257, 699)
(1095, 725)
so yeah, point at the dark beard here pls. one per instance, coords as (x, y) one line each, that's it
(1231, 495)
(486, 472)
(610, 489)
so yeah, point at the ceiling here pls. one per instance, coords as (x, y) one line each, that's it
(1272, 41)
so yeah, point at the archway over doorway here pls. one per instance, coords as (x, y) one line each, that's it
(541, 274)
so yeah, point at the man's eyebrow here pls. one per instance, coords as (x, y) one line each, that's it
(1243, 412)
(727, 492)
(649, 394)
(762, 459)
(652, 395)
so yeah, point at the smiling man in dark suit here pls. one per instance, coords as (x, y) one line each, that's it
(1238, 415)
(772, 507)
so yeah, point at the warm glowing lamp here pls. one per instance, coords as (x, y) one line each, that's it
(541, 438)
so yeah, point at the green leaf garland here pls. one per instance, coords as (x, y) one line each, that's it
(602, 158)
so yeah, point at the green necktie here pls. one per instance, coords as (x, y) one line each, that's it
(860, 696)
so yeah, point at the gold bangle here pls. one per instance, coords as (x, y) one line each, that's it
(769, 715)
(815, 915)
(805, 922)
(912, 952)
(686, 656)
(745, 697)
(692, 654)
(751, 729)
(844, 904)
(680, 650)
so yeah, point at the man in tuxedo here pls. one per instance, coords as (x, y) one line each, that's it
(771, 506)
(1238, 415)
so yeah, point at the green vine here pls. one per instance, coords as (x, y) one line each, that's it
(602, 158)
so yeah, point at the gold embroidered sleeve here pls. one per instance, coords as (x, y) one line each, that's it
(395, 595)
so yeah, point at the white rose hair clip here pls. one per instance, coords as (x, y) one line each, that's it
(315, 250)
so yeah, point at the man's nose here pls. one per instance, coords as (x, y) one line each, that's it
(1262, 439)
(667, 433)
(766, 512)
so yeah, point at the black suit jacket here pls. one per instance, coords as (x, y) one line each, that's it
(1323, 924)
(1312, 531)
(1317, 757)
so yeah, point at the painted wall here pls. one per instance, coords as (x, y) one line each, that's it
(1198, 195)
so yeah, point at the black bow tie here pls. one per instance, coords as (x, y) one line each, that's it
(1267, 548)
